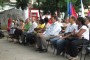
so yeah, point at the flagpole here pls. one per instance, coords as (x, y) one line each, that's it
(67, 7)
(82, 9)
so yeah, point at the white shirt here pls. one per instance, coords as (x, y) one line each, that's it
(86, 33)
(33, 26)
(88, 25)
(61, 24)
(12, 25)
(47, 25)
(54, 29)
(71, 28)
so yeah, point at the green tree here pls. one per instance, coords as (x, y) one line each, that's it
(59, 5)
(2, 2)
(53, 5)
(22, 4)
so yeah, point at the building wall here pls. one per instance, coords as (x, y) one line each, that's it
(13, 13)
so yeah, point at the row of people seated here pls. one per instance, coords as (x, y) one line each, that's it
(74, 38)
(41, 33)
(30, 34)
(18, 27)
(23, 30)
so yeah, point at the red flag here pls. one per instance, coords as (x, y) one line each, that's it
(71, 10)
(74, 12)
(89, 13)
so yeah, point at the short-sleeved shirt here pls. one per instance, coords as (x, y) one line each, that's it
(33, 26)
(71, 28)
(41, 25)
(88, 25)
(54, 29)
(86, 33)
(27, 26)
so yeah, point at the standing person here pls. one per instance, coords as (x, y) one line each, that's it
(9, 23)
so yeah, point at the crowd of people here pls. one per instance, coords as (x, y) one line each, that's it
(69, 34)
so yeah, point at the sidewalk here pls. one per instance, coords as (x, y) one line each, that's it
(11, 51)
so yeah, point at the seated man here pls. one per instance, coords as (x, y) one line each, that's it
(58, 42)
(30, 32)
(51, 31)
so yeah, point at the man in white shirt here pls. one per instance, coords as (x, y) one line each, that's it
(52, 30)
(59, 42)
(33, 26)
(30, 33)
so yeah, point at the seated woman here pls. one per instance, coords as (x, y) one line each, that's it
(83, 32)
(19, 30)
(87, 21)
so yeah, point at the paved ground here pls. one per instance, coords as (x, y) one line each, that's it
(11, 51)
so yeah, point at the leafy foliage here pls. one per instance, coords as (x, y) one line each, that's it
(22, 4)
(54, 5)
(2, 2)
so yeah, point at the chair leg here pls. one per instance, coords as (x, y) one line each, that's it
(54, 50)
(7, 38)
(85, 56)
(81, 55)
(47, 45)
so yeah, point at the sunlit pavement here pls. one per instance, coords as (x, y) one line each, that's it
(11, 51)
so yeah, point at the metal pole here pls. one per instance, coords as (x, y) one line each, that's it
(39, 8)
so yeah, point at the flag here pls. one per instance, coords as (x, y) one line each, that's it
(82, 10)
(71, 10)
(89, 13)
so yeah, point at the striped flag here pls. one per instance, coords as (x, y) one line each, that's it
(71, 10)
(89, 13)
(82, 10)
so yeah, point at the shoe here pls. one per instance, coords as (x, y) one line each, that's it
(43, 50)
(38, 49)
(58, 53)
(15, 41)
(75, 58)
(72, 58)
